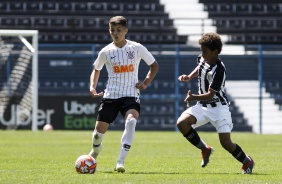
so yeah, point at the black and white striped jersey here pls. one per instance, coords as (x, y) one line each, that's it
(212, 77)
(122, 66)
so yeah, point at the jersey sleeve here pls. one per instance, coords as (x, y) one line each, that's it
(199, 59)
(218, 80)
(146, 55)
(100, 61)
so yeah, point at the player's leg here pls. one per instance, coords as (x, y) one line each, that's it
(224, 131)
(237, 152)
(97, 138)
(106, 114)
(193, 117)
(127, 138)
(130, 111)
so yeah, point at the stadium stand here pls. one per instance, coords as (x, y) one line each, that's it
(87, 21)
(271, 72)
(250, 22)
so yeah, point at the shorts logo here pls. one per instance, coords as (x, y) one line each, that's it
(123, 68)
(130, 55)
(137, 100)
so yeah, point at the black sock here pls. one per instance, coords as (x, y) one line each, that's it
(193, 137)
(239, 154)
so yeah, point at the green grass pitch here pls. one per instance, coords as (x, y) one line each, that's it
(156, 157)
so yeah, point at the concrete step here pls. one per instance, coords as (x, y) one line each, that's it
(246, 97)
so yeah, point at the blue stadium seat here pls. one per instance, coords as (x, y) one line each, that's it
(136, 22)
(252, 23)
(243, 8)
(275, 8)
(65, 6)
(157, 22)
(236, 24)
(226, 7)
(81, 6)
(257, 7)
(268, 23)
(58, 22)
(113, 7)
(3, 6)
(91, 23)
(130, 6)
(49, 6)
(8, 22)
(97, 7)
(23, 22)
(211, 7)
(147, 7)
(33, 6)
(42, 23)
(16, 6)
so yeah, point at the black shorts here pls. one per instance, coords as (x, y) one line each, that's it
(109, 108)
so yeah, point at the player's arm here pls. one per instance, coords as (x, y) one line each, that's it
(154, 68)
(187, 78)
(217, 82)
(93, 83)
(202, 97)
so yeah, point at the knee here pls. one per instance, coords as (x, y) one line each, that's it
(185, 122)
(183, 125)
(180, 122)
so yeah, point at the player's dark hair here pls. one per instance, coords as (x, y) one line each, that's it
(211, 41)
(118, 20)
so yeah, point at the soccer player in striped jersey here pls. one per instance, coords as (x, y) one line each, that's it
(121, 58)
(212, 103)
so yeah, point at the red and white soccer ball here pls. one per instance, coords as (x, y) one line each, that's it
(48, 127)
(85, 164)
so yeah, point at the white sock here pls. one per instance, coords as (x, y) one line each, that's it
(127, 138)
(97, 139)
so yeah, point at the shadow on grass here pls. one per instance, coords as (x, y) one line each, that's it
(147, 172)
(154, 172)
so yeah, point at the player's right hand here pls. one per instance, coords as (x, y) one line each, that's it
(94, 93)
(184, 78)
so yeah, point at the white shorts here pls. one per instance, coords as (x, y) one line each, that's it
(219, 116)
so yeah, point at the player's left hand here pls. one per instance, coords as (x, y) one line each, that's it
(140, 85)
(94, 94)
(184, 78)
(189, 97)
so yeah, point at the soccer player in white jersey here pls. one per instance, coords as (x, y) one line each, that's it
(122, 58)
(212, 103)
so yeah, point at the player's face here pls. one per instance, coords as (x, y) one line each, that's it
(209, 55)
(118, 33)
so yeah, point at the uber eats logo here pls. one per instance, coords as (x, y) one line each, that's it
(79, 116)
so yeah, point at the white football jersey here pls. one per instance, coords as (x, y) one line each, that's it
(122, 65)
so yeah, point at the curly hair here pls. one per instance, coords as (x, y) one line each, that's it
(211, 41)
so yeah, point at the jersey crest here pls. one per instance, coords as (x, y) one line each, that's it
(130, 55)
(209, 76)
